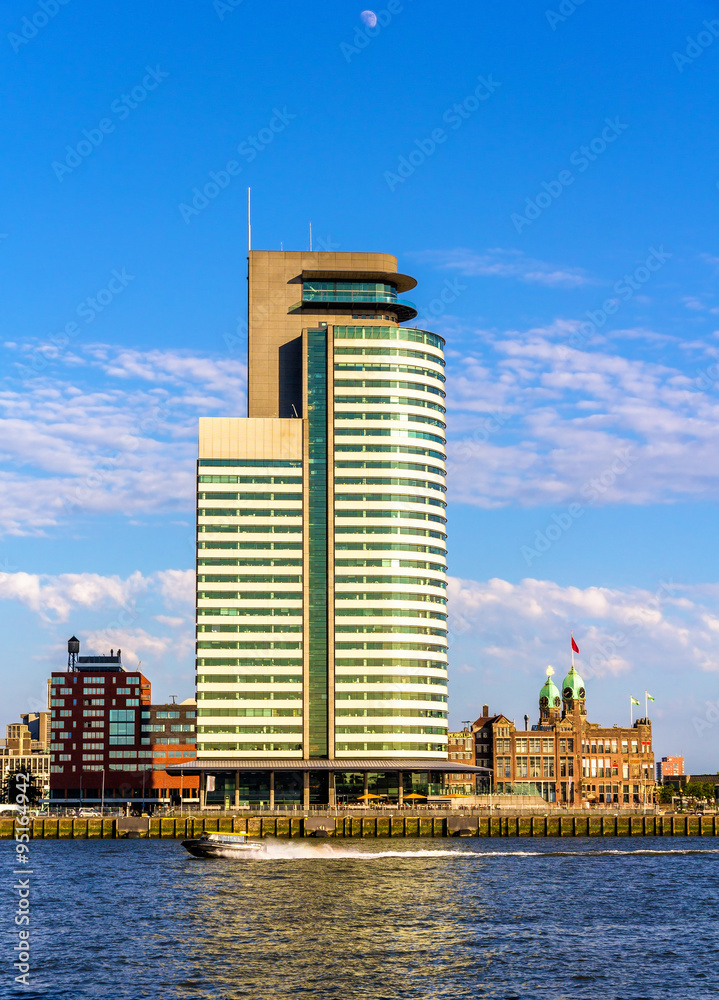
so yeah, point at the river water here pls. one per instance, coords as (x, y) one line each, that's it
(526, 919)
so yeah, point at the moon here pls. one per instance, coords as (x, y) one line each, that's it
(369, 17)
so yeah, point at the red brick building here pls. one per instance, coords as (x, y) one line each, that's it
(103, 744)
(171, 732)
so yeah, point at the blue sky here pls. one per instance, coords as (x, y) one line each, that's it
(549, 174)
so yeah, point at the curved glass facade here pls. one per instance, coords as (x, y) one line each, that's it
(321, 545)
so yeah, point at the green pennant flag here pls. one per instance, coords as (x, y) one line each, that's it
(633, 700)
(648, 696)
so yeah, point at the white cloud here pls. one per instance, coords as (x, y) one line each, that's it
(533, 421)
(124, 443)
(499, 263)
(55, 598)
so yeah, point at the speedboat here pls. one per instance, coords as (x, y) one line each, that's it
(223, 845)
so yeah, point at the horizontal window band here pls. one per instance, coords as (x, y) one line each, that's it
(416, 646)
(389, 401)
(380, 713)
(233, 495)
(251, 696)
(417, 581)
(374, 367)
(248, 578)
(389, 613)
(250, 713)
(241, 681)
(268, 612)
(248, 561)
(244, 661)
(422, 484)
(238, 529)
(250, 546)
(388, 432)
(405, 417)
(387, 529)
(250, 595)
(388, 352)
(252, 730)
(247, 512)
(390, 595)
(253, 747)
(256, 480)
(427, 747)
(390, 696)
(408, 730)
(250, 463)
(360, 448)
(389, 333)
(433, 470)
(382, 383)
(388, 661)
(406, 515)
(284, 627)
(390, 629)
(248, 644)
(401, 563)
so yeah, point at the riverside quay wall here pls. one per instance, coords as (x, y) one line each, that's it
(341, 826)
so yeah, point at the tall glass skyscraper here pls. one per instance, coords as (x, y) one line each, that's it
(321, 527)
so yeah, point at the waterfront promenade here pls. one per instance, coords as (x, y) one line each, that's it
(341, 825)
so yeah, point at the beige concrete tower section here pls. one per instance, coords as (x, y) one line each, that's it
(238, 437)
(275, 286)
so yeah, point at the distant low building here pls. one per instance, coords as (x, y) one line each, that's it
(22, 752)
(669, 767)
(460, 746)
(564, 757)
(171, 731)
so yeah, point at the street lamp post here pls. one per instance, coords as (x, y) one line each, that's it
(102, 798)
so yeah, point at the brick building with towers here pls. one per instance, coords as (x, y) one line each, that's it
(565, 758)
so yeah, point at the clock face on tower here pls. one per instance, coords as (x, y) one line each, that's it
(582, 692)
(567, 692)
(543, 701)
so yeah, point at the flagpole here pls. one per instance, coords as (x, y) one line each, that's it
(631, 710)
(646, 704)
(572, 647)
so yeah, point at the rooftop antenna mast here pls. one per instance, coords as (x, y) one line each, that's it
(249, 223)
(310, 237)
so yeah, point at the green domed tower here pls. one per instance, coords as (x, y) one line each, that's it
(550, 701)
(573, 693)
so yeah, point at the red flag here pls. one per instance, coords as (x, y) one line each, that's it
(575, 647)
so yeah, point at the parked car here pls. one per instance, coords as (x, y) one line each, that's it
(88, 813)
